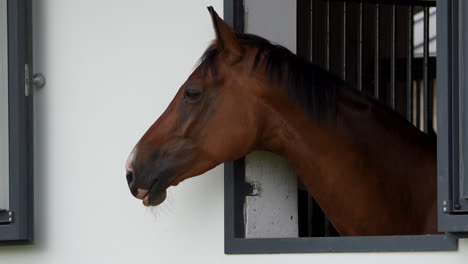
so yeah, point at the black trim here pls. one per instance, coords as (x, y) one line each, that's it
(20, 230)
(303, 22)
(341, 244)
(395, 2)
(233, 171)
(234, 14)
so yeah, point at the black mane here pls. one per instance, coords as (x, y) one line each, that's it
(308, 84)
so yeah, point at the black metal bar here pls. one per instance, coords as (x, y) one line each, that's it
(239, 17)
(310, 215)
(304, 36)
(343, 57)
(234, 14)
(327, 227)
(425, 77)
(374, 244)
(455, 70)
(395, 2)
(311, 32)
(327, 62)
(359, 69)
(376, 55)
(327, 223)
(409, 81)
(418, 105)
(392, 59)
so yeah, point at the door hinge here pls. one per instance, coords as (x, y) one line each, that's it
(6, 217)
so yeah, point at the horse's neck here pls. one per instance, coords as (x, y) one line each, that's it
(371, 172)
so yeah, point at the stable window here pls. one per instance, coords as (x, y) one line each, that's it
(16, 137)
(387, 49)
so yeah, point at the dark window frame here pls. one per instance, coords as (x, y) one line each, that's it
(452, 45)
(18, 226)
(235, 187)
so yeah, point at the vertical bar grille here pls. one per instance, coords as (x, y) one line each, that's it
(327, 60)
(343, 59)
(389, 44)
(392, 59)
(409, 76)
(425, 77)
(311, 31)
(376, 55)
(359, 64)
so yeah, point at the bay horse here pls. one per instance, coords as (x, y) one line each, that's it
(371, 171)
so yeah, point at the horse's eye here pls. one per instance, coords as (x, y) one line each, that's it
(192, 95)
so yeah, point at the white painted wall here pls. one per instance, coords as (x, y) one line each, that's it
(112, 67)
(4, 170)
(271, 210)
(275, 19)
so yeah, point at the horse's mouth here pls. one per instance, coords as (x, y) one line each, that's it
(154, 199)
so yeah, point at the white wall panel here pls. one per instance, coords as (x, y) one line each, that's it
(271, 210)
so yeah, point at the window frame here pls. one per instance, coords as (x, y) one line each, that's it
(453, 210)
(17, 227)
(235, 189)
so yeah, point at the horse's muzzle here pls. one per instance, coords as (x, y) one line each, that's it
(131, 185)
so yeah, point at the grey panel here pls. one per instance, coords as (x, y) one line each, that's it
(463, 100)
(4, 168)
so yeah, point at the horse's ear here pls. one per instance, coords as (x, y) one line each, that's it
(226, 40)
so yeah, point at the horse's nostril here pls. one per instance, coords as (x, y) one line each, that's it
(129, 177)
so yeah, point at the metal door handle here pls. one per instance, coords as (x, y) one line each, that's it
(39, 80)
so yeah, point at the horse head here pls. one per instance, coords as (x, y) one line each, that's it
(211, 120)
